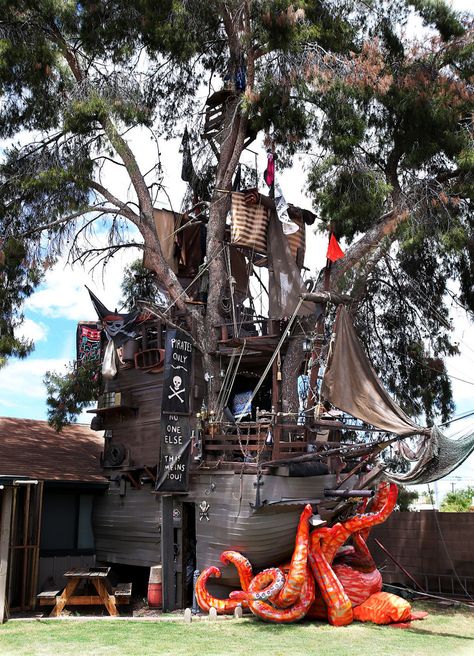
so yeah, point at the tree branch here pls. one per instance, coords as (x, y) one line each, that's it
(71, 217)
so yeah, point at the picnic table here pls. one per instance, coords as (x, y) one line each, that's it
(97, 576)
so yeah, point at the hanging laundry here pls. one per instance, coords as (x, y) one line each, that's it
(334, 251)
(281, 206)
(297, 240)
(269, 173)
(166, 223)
(248, 225)
(240, 77)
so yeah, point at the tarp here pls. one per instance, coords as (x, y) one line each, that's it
(284, 277)
(351, 384)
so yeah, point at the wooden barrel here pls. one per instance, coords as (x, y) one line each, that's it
(155, 590)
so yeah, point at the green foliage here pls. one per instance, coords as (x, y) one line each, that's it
(70, 393)
(389, 124)
(139, 283)
(406, 498)
(349, 200)
(458, 501)
(438, 14)
(18, 279)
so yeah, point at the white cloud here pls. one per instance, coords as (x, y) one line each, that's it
(34, 330)
(26, 377)
(63, 293)
(22, 392)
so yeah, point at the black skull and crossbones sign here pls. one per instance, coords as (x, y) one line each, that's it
(176, 389)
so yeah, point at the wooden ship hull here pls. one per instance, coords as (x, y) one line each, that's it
(233, 500)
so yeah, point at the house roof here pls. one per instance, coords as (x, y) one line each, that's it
(32, 448)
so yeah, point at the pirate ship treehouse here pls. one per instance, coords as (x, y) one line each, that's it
(187, 481)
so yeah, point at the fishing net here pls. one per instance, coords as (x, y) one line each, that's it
(438, 456)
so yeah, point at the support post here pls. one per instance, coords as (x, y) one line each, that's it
(5, 529)
(167, 553)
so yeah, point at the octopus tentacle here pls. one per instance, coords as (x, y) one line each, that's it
(206, 601)
(242, 564)
(362, 558)
(296, 575)
(338, 604)
(377, 503)
(358, 585)
(265, 611)
(339, 533)
(366, 521)
(265, 585)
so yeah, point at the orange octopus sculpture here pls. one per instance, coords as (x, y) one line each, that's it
(325, 579)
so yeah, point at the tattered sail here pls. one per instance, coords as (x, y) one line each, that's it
(351, 384)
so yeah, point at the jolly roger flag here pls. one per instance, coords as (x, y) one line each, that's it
(177, 373)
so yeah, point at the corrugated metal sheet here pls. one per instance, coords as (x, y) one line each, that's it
(127, 529)
(265, 536)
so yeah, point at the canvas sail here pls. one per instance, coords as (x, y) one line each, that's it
(351, 384)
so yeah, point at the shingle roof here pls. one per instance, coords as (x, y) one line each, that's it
(32, 448)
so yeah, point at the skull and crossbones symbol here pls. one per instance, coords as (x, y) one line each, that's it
(176, 389)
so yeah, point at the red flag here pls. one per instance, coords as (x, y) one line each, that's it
(334, 250)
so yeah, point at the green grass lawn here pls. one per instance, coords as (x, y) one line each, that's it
(445, 632)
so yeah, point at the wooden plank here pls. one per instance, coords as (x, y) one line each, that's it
(48, 594)
(123, 590)
(62, 600)
(26, 523)
(5, 530)
(107, 599)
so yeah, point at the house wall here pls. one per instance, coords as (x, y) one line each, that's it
(435, 548)
(52, 568)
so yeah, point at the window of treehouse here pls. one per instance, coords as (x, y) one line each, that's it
(66, 526)
(241, 393)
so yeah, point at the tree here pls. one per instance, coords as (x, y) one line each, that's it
(458, 501)
(390, 122)
(17, 282)
(405, 498)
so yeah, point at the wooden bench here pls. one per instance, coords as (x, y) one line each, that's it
(122, 593)
(48, 597)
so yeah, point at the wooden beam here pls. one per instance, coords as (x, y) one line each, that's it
(167, 553)
(327, 297)
(5, 528)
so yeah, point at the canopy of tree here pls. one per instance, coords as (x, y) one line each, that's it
(387, 117)
(458, 501)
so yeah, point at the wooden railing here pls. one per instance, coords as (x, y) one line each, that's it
(253, 442)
